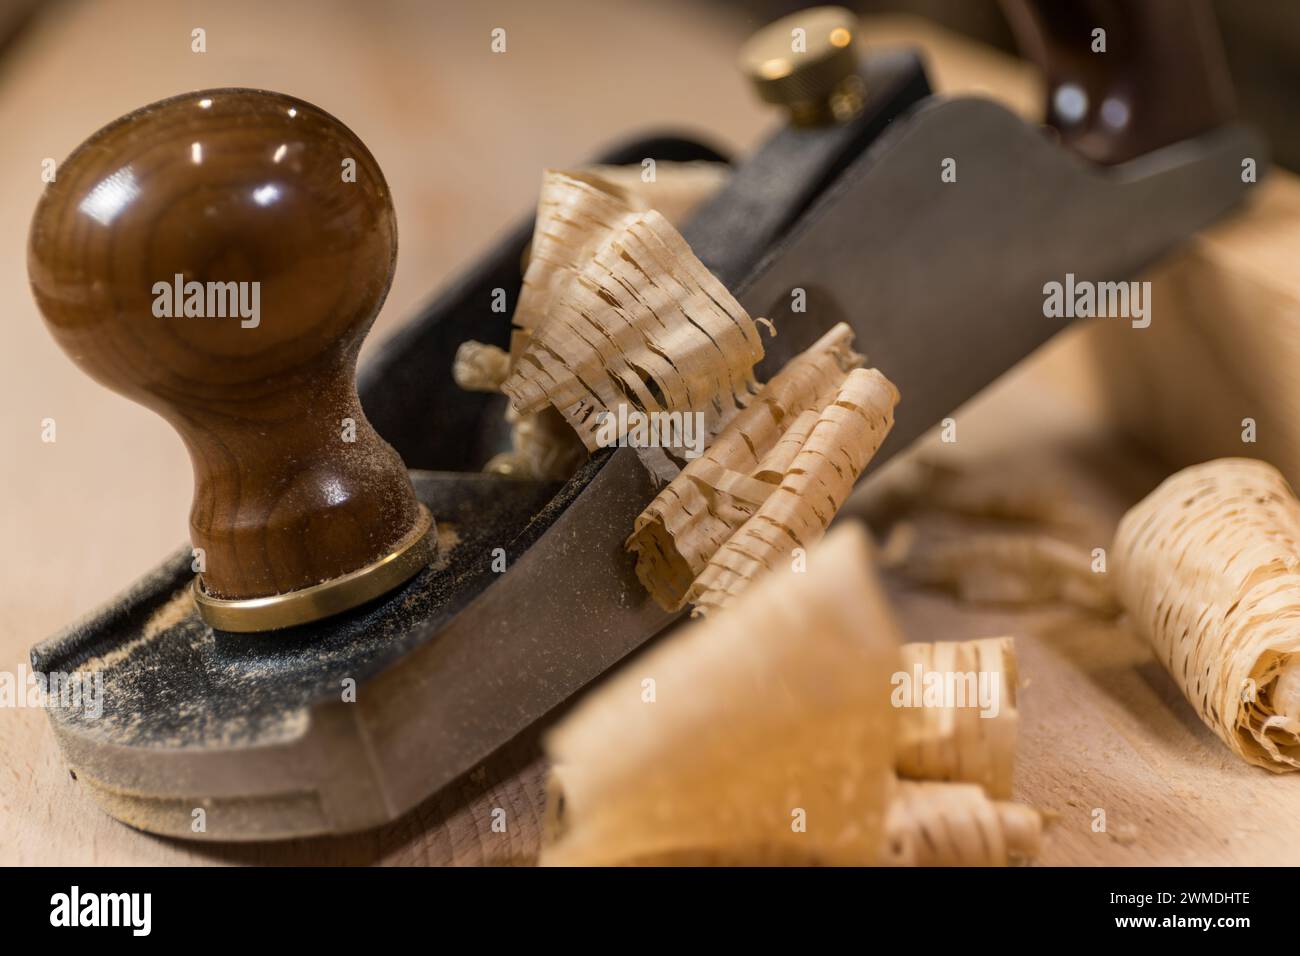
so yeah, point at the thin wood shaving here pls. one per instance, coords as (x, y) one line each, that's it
(960, 743)
(617, 311)
(543, 447)
(479, 367)
(577, 211)
(1032, 487)
(1006, 567)
(774, 713)
(692, 517)
(956, 824)
(1209, 570)
(837, 447)
(771, 481)
(676, 190)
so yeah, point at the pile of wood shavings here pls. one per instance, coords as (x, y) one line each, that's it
(766, 735)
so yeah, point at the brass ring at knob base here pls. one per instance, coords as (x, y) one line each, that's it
(277, 611)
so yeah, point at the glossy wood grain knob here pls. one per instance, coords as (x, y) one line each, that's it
(219, 257)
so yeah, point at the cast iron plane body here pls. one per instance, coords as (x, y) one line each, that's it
(943, 284)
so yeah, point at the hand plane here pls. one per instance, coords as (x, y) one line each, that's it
(362, 614)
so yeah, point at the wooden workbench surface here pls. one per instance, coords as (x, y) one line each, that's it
(462, 137)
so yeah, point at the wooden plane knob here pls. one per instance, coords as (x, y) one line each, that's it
(218, 257)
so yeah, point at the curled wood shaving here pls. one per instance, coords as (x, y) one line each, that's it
(836, 448)
(576, 208)
(543, 448)
(956, 824)
(943, 741)
(676, 189)
(773, 713)
(617, 311)
(770, 483)
(1005, 567)
(576, 212)
(1028, 493)
(1032, 487)
(1208, 568)
(692, 517)
(479, 367)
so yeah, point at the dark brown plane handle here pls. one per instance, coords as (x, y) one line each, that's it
(1156, 75)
